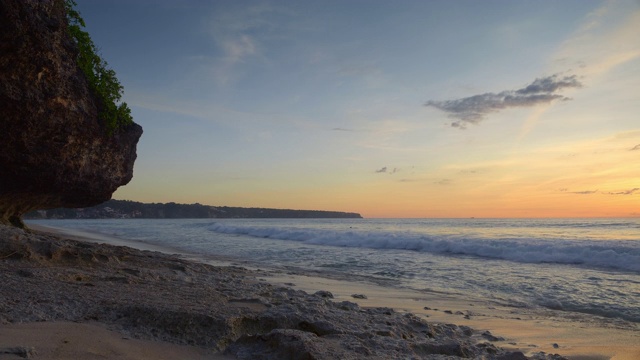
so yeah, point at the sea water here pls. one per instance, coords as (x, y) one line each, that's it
(579, 266)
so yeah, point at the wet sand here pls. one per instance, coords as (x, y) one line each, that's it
(62, 340)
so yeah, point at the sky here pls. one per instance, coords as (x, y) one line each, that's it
(386, 108)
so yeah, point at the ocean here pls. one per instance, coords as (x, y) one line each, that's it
(589, 267)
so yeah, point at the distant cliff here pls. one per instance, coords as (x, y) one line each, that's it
(123, 209)
(55, 151)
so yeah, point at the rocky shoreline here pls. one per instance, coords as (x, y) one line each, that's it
(154, 296)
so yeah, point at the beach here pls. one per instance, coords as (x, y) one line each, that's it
(96, 299)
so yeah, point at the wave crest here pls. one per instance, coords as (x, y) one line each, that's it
(609, 254)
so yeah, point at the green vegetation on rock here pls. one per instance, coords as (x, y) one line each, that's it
(131, 209)
(102, 80)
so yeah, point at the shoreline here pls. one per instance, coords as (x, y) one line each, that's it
(528, 333)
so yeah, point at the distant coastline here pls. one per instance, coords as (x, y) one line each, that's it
(125, 209)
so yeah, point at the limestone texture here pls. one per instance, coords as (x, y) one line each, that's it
(54, 149)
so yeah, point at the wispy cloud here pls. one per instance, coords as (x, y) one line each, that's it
(239, 48)
(607, 39)
(443, 182)
(473, 109)
(584, 192)
(240, 35)
(385, 170)
(590, 192)
(624, 192)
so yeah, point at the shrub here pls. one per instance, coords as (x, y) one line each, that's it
(102, 80)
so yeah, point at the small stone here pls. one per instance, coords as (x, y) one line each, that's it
(25, 273)
(359, 296)
(385, 333)
(514, 355)
(487, 335)
(324, 294)
(21, 351)
(347, 305)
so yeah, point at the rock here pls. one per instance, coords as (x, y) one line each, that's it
(487, 335)
(320, 328)
(145, 295)
(348, 306)
(277, 344)
(21, 351)
(513, 355)
(55, 151)
(324, 294)
(359, 296)
(446, 348)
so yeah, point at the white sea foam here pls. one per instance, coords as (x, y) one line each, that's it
(623, 255)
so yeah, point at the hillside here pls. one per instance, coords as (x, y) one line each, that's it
(118, 209)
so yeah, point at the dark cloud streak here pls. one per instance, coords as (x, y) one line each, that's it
(583, 192)
(590, 192)
(385, 170)
(625, 192)
(473, 109)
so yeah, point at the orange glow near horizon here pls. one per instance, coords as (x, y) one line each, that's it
(594, 178)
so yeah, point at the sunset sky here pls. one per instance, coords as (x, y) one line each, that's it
(386, 108)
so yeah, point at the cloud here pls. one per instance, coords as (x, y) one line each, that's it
(473, 109)
(238, 49)
(637, 147)
(240, 35)
(385, 170)
(590, 192)
(443, 182)
(625, 192)
(584, 192)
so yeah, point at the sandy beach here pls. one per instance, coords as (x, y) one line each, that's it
(96, 299)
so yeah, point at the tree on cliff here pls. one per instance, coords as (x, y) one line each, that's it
(102, 80)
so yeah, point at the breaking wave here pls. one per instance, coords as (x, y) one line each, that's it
(622, 255)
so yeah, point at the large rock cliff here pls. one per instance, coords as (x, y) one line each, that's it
(54, 150)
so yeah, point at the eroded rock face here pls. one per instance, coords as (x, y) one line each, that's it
(54, 151)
